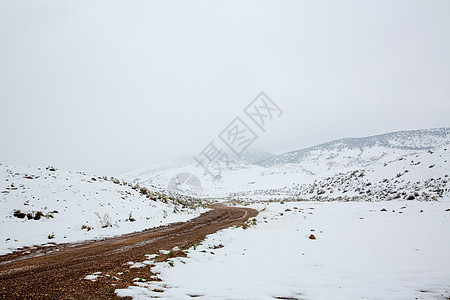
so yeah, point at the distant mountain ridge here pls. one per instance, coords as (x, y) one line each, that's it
(421, 139)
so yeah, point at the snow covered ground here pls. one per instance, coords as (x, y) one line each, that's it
(362, 250)
(379, 214)
(74, 207)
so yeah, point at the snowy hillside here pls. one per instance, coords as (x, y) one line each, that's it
(48, 205)
(399, 162)
(423, 176)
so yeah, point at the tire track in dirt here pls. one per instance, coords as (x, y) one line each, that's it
(58, 272)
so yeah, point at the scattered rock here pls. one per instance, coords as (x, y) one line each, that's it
(448, 209)
(288, 209)
(312, 237)
(410, 197)
(383, 209)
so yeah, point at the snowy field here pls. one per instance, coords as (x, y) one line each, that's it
(362, 250)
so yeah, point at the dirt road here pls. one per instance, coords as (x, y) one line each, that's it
(58, 272)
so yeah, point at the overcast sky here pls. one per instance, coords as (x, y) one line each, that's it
(110, 86)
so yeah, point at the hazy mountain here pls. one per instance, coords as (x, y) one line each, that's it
(402, 140)
(258, 172)
(252, 156)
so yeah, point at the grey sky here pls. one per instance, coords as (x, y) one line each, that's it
(109, 86)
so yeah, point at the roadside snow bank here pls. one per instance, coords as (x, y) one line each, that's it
(71, 207)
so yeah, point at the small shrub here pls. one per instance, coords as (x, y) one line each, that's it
(48, 216)
(105, 221)
(144, 191)
(87, 227)
(217, 246)
(247, 223)
(38, 215)
(19, 214)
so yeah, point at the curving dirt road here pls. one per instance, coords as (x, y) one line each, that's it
(58, 272)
